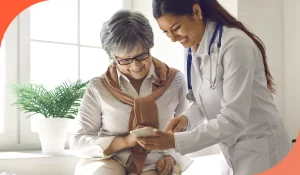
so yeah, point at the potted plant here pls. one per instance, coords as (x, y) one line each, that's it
(56, 106)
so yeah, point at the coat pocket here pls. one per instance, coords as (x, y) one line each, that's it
(251, 157)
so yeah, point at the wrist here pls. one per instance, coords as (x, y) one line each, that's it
(126, 141)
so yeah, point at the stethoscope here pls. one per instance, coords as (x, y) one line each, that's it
(212, 83)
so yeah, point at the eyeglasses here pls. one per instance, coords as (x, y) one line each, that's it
(140, 57)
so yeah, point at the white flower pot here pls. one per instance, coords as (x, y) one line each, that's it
(52, 133)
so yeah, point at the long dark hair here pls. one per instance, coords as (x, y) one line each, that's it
(212, 10)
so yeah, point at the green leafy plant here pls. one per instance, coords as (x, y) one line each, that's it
(61, 102)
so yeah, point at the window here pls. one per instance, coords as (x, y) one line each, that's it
(65, 44)
(54, 41)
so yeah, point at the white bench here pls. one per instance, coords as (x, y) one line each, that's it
(207, 165)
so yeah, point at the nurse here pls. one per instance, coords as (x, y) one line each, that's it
(230, 88)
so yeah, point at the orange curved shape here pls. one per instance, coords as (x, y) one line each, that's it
(9, 9)
(289, 165)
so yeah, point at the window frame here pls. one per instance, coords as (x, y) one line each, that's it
(11, 114)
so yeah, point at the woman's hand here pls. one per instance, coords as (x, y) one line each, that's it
(162, 141)
(131, 139)
(165, 165)
(177, 124)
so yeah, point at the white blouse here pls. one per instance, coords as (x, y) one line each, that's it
(102, 117)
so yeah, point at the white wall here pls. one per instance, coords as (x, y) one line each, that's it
(292, 65)
(231, 6)
(277, 23)
(265, 19)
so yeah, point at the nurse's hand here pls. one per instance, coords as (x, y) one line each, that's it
(162, 141)
(177, 124)
(165, 165)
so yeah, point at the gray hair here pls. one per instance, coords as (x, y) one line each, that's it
(124, 31)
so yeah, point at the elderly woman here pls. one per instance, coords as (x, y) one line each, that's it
(136, 91)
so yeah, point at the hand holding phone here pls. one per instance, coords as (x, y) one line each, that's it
(142, 132)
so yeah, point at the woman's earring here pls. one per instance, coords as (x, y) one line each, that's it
(200, 17)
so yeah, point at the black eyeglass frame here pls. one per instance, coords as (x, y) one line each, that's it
(130, 60)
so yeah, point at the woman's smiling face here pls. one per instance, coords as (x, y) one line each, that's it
(185, 29)
(136, 70)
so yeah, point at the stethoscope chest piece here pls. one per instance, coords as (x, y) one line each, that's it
(190, 95)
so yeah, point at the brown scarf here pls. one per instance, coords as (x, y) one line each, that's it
(144, 111)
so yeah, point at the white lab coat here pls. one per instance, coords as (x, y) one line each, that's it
(240, 113)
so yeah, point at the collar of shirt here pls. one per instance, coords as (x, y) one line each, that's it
(204, 44)
(150, 74)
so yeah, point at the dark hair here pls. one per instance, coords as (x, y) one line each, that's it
(211, 10)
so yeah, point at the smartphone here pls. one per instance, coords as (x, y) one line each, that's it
(142, 132)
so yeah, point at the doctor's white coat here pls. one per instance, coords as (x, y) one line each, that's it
(240, 112)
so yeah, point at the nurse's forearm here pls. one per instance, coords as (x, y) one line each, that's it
(118, 144)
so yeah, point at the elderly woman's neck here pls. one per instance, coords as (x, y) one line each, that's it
(137, 84)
